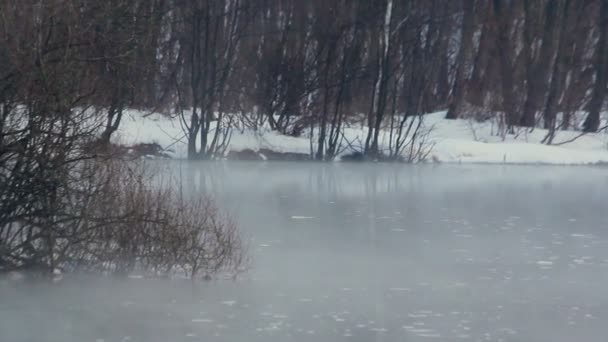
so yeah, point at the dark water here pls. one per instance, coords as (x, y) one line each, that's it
(364, 253)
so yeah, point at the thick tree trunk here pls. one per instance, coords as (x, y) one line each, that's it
(112, 123)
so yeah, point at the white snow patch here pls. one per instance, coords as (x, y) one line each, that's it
(453, 141)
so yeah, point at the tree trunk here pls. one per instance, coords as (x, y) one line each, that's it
(466, 45)
(503, 49)
(556, 85)
(112, 123)
(538, 76)
(592, 122)
(379, 95)
(325, 112)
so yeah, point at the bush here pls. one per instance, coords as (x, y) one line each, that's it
(109, 218)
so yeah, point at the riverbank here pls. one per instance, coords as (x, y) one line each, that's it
(449, 141)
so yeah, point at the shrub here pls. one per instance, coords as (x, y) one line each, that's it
(110, 218)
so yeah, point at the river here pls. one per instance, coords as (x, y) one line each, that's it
(362, 252)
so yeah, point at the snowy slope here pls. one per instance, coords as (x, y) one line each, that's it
(454, 141)
(466, 141)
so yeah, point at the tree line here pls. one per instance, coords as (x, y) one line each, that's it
(310, 66)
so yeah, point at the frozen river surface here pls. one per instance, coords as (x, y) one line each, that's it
(363, 253)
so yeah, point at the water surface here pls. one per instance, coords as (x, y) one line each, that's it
(363, 252)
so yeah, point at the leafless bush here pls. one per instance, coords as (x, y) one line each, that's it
(409, 141)
(112, 220)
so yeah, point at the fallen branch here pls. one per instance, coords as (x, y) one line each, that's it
(578, 136)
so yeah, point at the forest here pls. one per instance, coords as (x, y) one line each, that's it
(307, 65)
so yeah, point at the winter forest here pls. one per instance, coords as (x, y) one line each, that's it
(309, 67)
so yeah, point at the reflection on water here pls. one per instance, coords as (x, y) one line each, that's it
(350, 252)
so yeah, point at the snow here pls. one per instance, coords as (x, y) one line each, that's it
(452, 141)
(465, 141)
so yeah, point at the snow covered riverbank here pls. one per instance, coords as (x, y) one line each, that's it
(452, 141)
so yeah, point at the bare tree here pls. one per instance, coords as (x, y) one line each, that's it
(381, 81)
(592, 122)
(539, 60)
(556, 85)
(463, 60)
(211, 32)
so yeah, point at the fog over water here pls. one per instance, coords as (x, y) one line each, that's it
(362, 252)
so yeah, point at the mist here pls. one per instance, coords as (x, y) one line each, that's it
(360, 253)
